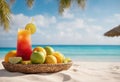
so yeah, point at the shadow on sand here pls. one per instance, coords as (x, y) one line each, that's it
(4, 73)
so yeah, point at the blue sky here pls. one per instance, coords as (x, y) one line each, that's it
(76, 26)
(98, 7)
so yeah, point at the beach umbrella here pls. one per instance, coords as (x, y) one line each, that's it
(113, 32)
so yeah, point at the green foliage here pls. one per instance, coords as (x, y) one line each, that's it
(63, 4)
(5, 9)
(30, 3)
(81, 3)
(4, 14)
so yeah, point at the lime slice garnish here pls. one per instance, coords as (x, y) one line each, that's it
(31, 27)
(15, 60)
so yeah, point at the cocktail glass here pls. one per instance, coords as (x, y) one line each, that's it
(24, 48)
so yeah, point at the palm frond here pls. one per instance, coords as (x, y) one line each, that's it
(30, 3)
(64, 4)
(81, 3)
(4, 14)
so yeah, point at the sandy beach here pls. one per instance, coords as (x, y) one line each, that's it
(79, 72)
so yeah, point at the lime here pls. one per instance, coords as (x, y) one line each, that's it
(66, 60)
(40, 49)
(31, 27)
(11, 53)
(37, 58)
(15, 60)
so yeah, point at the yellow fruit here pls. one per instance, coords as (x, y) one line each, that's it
(40, 49)
(60, 57)
(31, 27)
(26, 62)
(49, 50)
(66, 60)
(50, 59)
(10, 54)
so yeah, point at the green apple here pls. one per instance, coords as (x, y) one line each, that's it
(49, 50)
(39, 49)
(37, 58)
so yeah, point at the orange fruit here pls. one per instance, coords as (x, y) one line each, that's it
(40, 49)
(60, 57)
(12, 53)
(50, 59)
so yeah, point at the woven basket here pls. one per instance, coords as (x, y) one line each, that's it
(36, 68)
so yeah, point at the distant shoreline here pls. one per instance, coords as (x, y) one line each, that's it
(60, 45)
(81, 52)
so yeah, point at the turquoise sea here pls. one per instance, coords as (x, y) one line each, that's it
(82, 52)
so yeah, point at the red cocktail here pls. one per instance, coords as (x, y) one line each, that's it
(24, 48)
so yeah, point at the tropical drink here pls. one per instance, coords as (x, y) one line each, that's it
(24, 48)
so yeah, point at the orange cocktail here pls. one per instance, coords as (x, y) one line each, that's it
(24, 48)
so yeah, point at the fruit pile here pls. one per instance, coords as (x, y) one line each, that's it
(40, 55)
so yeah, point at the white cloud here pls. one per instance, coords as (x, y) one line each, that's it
(19, 21)
(43, 21)
(67, 14)
(52, 30)
(91, 20)
(117, 15)
(93, 29)
(75, 23)
(115, 19)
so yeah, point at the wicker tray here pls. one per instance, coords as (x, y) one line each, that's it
(36, 68)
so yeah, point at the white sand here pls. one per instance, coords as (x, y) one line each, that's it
(79, 72)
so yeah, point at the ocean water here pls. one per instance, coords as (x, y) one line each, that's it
(82, 52)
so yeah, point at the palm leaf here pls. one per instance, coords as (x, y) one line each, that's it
(4, 14)
(64, 4)
(30, 3)
(81, 3)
